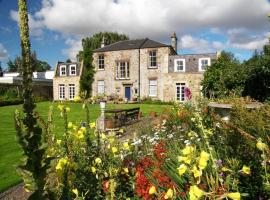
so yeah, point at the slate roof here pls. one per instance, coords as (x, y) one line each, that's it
(132, 44)
(59, 63)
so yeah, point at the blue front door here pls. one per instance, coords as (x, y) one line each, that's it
(127, 93)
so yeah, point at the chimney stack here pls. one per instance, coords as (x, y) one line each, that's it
(174, 41)
(103, 42)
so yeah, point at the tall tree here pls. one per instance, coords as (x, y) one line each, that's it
(38, 65)
(226, 76)
(89, 44)
(28, 131)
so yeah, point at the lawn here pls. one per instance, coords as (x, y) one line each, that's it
(10, 153)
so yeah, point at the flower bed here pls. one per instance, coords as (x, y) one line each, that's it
(189, 155)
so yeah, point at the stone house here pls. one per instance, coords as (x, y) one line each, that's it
(66, 81)
(146, 68)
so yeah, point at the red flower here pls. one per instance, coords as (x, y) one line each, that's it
(106, 186)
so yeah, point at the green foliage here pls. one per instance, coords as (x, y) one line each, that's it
(29, 134)
(225, 77)
(228, 77)
(89, 44)
(38, 65)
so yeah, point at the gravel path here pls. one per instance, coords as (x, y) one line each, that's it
(15, 193)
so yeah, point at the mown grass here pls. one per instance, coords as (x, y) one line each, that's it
(10, 151)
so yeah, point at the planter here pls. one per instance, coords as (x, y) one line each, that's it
(109, 123)
(153, 114)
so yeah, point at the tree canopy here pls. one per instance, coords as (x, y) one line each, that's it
(89, 44)
(227, 76)
(37, 65)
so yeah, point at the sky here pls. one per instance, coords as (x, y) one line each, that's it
(202, 26)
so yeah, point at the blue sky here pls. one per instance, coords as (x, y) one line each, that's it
(57, 26)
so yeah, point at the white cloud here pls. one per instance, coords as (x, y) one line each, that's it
(156, 18)
(3, 52)
(35, 25)
(242, 22)
(75, 45)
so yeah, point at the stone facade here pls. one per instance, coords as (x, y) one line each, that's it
(66, 81)
(170, 82)
(140, 72)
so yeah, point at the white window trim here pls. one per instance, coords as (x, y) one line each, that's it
(61, 86)
(63, 67)
(149, 57)
(184, 65)
(118, 70)
(186, 85)
(100, 85)
(200, 64)
(101, 69)
(71, 86)
(70, 70)
(155, 95)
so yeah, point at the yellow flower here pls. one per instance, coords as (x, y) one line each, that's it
(70, 125)
(169, 194)
(234, 195)
(196, 173)
(225, 169)
(114, 149)
(92, 125)
(58, 142)
(152, 190)
(125, 146)
(93, 169)
(184, 159)
(60, 107)
(79, 135)
(61, 163)
(195, 193)
(126, 170)
(103, 136)
(260, 145)
(75, 191)
(246, 169)
(98, 161)
(204, 157)
(121, 130)
(83, 129)
(77, 99)
(187, 150)
(68, 109)
(182, 169)
(75, 127)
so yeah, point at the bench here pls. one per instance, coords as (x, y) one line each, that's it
(123, 117)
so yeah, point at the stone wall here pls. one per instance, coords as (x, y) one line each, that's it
(115, 86)
(192, 80)
(66, 81)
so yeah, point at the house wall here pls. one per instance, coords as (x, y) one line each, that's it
(66, 81)
(192, 81)
(114, 86)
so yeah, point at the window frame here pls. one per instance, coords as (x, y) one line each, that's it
(62, 93)
(150, 59)
(122, 71)
(70, 66)
(176, 65)
(63, 67)
(200, 63)
(153, 85)
(101, 66)
(98, 85)
(181, 93)
(69, 91)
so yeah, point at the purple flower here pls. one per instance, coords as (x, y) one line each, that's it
(187, 93)
(219, 163)
(222, 174)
